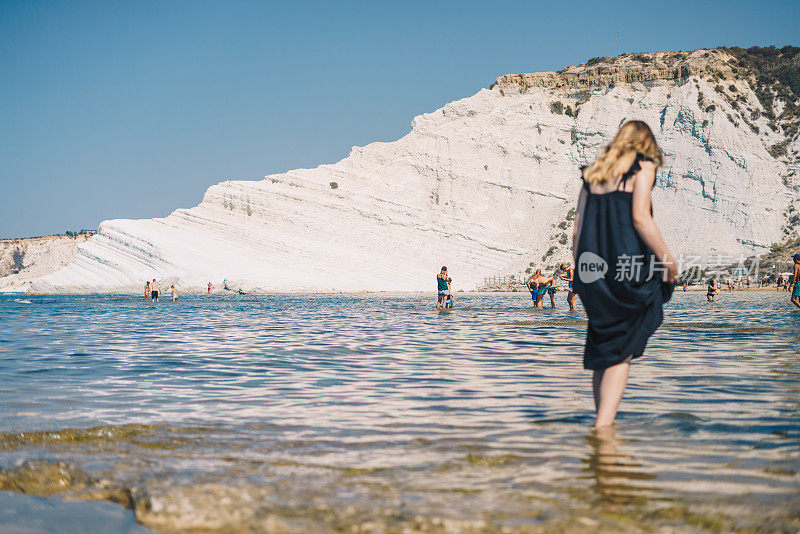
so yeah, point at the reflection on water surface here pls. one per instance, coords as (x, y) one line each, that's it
(341, 412)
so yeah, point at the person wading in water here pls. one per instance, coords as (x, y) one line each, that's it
(796, 280)
(569, 277)
(539, 285)
(712, 290)
(614, 228)
(443, 285)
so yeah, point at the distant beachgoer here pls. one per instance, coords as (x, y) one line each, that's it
(147, 291)
(540, 285)
(796, 279)
(747, 283)
(551, 292)
(449, 302)
(684, 286)
(174, 291)
(154, 290)
(569, 277)
(209, 287)
(443, 286)
(712, 290)
(532, 286)
(614, 222)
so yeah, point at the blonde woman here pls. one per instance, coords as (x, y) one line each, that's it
(624, 270)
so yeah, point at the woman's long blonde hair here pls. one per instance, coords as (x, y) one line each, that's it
(635, 137)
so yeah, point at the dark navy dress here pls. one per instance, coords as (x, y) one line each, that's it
(624, 305)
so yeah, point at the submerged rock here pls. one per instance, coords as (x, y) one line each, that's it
(43, 478)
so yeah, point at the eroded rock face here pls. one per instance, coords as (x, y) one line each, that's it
(484, 185)
(24, 260)
(628, 68)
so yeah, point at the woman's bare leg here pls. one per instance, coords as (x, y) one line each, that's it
(609, 392)
(597, 377)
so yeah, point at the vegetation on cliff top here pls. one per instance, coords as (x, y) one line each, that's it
(775, 75)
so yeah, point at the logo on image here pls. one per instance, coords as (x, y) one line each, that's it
(591, 267)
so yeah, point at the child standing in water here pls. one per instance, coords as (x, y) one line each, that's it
(449, 302)
(147, 291)
(622, 262)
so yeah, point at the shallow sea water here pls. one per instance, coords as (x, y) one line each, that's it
(373, 413)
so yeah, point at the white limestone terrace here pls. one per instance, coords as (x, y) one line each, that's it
(483, 185)
(24, 260)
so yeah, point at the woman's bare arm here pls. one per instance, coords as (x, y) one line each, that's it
(644, 223)
(576, 225)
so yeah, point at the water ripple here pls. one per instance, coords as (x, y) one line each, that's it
(458, 411)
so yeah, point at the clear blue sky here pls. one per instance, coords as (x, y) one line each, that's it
(131, 109)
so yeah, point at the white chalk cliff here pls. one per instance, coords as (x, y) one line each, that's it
(23, 261)
(484, 185)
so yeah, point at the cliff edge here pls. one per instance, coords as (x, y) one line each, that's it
(487, 185)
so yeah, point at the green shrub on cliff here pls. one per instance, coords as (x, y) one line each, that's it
(557, 107)
(16, 260)
(596, 60)
(776, 73)
(777, 150)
